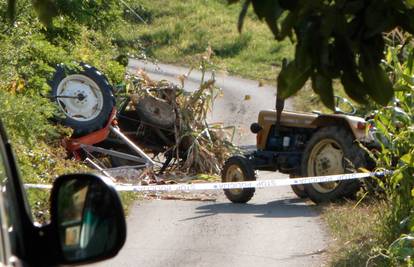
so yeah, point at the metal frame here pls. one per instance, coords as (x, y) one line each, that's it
(88, 145)
(115, 130)
(114, 153)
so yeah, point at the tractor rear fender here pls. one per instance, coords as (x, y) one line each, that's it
(358, 126)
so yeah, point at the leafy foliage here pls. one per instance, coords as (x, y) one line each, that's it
(395, 132)
(94, 14)
(36, 143)
(335, 40)
(29, 51)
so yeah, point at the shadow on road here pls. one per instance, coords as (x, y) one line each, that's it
(276, 209)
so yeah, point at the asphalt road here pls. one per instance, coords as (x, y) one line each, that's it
(274, 229)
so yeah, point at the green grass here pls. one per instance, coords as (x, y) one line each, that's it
(178, 31)
(357, 231)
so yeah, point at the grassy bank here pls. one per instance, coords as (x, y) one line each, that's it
(178, 31)
(358, 232)
(29, 52)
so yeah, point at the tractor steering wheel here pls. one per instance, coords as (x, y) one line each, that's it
(344, 106)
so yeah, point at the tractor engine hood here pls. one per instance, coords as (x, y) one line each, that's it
(298, 119)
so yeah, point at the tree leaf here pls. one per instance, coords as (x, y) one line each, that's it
(377, 83)
(353, 86)
(406, 20)
(286, 27)
(376, 19)
(292, 78)
(304, 48)
(242, 15)
(11, 9)
(289, 4)
(323, 87)
(372, 49)
(46, 10)
(270, 11)
(353, 7)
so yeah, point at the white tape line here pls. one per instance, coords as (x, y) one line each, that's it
(248, 184)
(39, 186)
(235, 185)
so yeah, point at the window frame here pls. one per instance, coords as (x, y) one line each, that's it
(27, 245)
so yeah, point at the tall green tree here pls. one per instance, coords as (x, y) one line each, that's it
(335, 39)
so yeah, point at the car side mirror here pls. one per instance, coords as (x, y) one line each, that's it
(87, 218)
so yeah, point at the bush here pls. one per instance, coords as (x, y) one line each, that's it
(395, 131)
(29, 52)
(36, 143)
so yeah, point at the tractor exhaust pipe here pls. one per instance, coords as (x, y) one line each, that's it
(280, 102)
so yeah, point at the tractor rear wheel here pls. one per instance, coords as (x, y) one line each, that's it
(331, 150)
(299, 191)
(156, 112)
(238, 169)
(85, 98)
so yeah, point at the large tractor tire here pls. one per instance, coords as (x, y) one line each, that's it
(85, 97)
(238, 169)
(331, 150)
(156, 112)
(299, 191)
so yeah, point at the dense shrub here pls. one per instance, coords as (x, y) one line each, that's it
(29, 51)
(394, 125)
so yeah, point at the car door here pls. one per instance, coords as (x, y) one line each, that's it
(21, 241)
(6, 257)
(11, 239)
(25, 243)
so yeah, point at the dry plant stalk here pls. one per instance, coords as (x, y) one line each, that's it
(205, 146)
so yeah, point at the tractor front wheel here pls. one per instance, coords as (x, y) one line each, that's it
(238, 169)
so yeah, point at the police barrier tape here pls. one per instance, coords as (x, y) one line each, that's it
(236, 185)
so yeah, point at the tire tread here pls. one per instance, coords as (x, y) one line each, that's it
(351, 151)
(249, 174)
